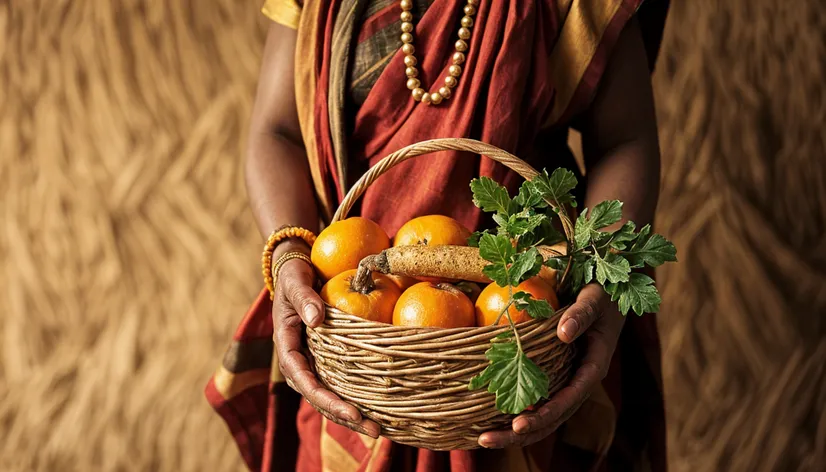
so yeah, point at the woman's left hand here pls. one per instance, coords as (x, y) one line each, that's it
(598, 318)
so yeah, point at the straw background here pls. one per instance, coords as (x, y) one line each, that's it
(127, 253)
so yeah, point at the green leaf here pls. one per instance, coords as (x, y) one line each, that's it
(548, 232)
(638, 293)
(525, 265)
(557, 187)
(514, 207)
(557, 263)
(588, 223)
(613, 268)
(606, 213)
(529, 196)
(502, 221)
(525, 241)
(583, 235)
(498, 273)
(651, 249)
(490, 196)
(473, 240)
(519, 225)
(582, 273)
(536, 308)
(623, 235)
(497, 249)
(517, 382)
(544, 234)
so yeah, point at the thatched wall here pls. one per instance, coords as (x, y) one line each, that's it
(742, 104)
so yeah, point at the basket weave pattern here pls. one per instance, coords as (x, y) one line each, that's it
(413, 382)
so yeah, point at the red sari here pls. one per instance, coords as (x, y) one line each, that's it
(531, 67)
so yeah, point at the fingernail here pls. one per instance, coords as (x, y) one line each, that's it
(349, 415)
(485, 444)
(520, 426)
(312, 314)
(372, 434)
(570, 328)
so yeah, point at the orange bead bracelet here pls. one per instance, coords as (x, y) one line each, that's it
(275, 238)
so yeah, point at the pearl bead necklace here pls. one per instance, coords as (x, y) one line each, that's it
(454, 71)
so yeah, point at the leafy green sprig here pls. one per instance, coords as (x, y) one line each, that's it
(608, 258)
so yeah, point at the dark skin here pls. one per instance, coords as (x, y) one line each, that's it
(622, 155)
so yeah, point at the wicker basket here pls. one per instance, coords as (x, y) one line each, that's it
(413, 382)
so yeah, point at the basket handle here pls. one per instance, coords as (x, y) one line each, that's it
(434, 145)
(426, 147)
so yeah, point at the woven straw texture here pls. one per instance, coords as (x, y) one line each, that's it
(127, 253)
(414, 382)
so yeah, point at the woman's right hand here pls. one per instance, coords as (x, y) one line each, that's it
(296, 303)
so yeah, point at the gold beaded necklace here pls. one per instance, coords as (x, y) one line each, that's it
(454, 71)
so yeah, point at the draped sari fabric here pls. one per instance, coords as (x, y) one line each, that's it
(532, 65)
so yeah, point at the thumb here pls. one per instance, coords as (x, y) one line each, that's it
(296, 280)
(582, 314)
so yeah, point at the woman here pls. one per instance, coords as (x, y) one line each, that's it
(335, 96)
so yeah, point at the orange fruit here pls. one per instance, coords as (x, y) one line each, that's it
(432, 230)
(494, 298)
(374, 306)
(402, 281)
(343, 244)
(434, 305)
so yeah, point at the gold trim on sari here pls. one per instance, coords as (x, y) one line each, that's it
(578, 41)
(305, 90)
(230, 384)
(283, 12)
(344, 35)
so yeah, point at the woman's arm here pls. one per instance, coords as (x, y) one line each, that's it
(621, 149)
(277, 174)
(281, 193)
(619, 135)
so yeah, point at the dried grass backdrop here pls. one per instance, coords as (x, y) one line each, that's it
(742, 105)
(127, 252)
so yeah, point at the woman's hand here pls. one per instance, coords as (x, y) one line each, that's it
(295, 302)
(594, 315)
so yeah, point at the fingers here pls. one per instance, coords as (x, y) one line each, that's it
(295, 282)
(565, 403)
(602, 341)
(295, 367)
(502, 439)
(531, 427)
(581, 315)
(297, 302)
(365, 426)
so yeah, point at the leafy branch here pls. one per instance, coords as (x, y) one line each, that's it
(608, 258)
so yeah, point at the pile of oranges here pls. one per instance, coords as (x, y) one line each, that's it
(406, 301)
